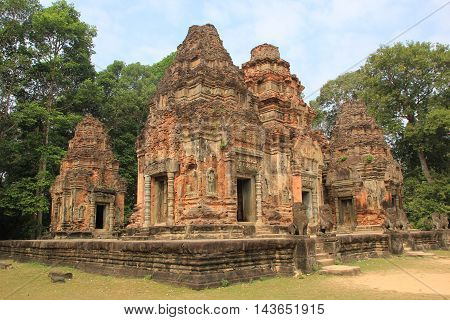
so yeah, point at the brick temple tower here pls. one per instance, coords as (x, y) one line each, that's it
(88, 194)
(364, 182)
(200, 152)
(293, 158)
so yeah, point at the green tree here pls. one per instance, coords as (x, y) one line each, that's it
(62, 47)
(421, 199)
(45, 55)
(404, 83)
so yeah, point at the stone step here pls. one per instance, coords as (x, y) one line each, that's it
(341, 270)
(325, 262)
(324, 255)
(419, 254)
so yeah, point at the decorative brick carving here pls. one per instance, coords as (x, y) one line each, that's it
(363, 179)
(88, 181)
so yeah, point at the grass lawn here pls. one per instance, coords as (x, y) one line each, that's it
(419, 278)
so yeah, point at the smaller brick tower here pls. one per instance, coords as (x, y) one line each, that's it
(88, 194)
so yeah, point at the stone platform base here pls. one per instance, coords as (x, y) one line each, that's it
(197, 264)
(207, 263)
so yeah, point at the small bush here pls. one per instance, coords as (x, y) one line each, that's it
(342, 159)
(223, 144)
(315, 267)
(370, 158)
(224, 283)
(148, 277)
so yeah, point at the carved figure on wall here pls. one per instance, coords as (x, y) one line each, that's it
(285, 196)
(81, 210)
(211, 182)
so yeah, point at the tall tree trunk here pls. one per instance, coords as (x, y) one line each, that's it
(42, 172)
(424, 165)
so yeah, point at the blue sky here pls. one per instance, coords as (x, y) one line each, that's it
(319, 38)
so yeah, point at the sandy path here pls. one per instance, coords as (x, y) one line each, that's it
(405, 280)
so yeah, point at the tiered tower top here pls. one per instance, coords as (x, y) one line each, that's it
(90, 143)
(201, 70)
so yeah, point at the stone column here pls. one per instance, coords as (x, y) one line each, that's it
(170, 197)
(147, 195)
(229, 174)
(258, 199)
(111, 216)
(92, 211)
(336, 205)
(354, 215)
(64, 210)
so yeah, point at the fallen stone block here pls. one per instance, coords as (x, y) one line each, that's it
(57, 275)
(56, 278)
(5, 265)
(325, 262)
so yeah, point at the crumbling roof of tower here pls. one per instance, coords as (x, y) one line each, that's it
(201, 58)
(354, 126)
(357, 143)
(90, 142)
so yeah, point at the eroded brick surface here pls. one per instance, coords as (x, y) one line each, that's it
(364, 181)
(88, 183)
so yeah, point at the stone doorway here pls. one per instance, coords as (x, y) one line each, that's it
(307, 202)
(246, 201)
(100, 216)
(160, 207)
(346, 212)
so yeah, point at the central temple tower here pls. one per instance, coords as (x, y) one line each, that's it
(200, 152)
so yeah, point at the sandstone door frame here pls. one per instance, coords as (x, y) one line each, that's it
(346, 212)
(160, 205)
(246, 202)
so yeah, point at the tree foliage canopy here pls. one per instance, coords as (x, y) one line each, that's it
(47, 84)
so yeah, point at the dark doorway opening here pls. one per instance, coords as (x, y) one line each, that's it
(394, 201)
(99, 216)
(161, 199)
(306, 199)
(244, 199)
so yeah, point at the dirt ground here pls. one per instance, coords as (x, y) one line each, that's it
(391, 278)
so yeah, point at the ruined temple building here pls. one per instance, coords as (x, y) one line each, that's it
(363, 181)
(88, 194)
(231, 151)
(225, 146)
(233, 184)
